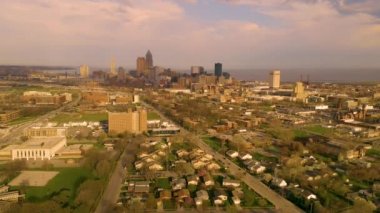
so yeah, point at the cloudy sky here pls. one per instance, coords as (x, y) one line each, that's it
(242, 34)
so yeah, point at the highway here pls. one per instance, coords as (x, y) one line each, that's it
(281, 204)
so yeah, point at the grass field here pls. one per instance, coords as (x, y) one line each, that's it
(374, 153)
(320, 130)
(214, 143)
(163, 183)
(153, 116)
(21, 120)
(76, 117)
(67, 179)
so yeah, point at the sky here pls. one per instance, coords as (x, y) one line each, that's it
(242, 34)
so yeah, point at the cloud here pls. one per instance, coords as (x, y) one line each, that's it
(305, 33)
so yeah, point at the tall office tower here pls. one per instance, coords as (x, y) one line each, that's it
(113, 70)
(197, 70)
(140, 64)
(218, 69)
(131, 121)
(149, 60)
(299, 91)
(275, 79)
(84, 71)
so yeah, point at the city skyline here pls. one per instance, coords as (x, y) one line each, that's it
(241, 34)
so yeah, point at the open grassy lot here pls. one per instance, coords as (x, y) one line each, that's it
(67, 179)
(76, 117)
(153, 116)
(214, 143)
(320, 130)
(252, 199)
(163, 183)
(374, 153)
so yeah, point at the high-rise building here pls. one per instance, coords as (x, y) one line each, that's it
(149, 60)
(299, 91)
(275, 79)
(113, 71)
(140, 64)
(84, 71)
(134, 122)
(218, 69)
(197, 70)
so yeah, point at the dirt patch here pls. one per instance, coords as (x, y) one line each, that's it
(33, 178)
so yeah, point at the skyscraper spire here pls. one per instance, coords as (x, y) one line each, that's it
(149, 59)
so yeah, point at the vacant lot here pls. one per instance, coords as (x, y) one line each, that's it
(153, 116)
(33, 178)
(76, 117)
(68, 179)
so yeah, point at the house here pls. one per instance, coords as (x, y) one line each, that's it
(237, 192)
(231, 183)
(213, 166)
(245, 156)
(160, 153)
(178, 184)
(183, 193)
(312, 175)
(154, 166)
(279, 182)
(192, 180)
(165, 194)
(307, 195)
(140, 187)
(182, 153)
(142, 155)
(207, 179)
(232, 153)
(302, 193)
(250, 162)
(148, 159)
(196, 153)
(198, 201)
(198, 164)
(4, 188)
(139, 164)
(236, 200)
(220, 197)
(202, 194)
(257, 169)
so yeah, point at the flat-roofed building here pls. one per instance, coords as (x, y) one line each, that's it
(34, 132)
(140, 64)
(35, 148)
(11, 196)
(7, 116)
(131, 121)
(84, 71)
(275, 79)
(96, 97)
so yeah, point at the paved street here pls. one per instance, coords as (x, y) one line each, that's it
(111, 193)
(281, 204)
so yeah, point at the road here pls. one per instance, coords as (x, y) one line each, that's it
(17, 131)
(111, 193)
(281, 204)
